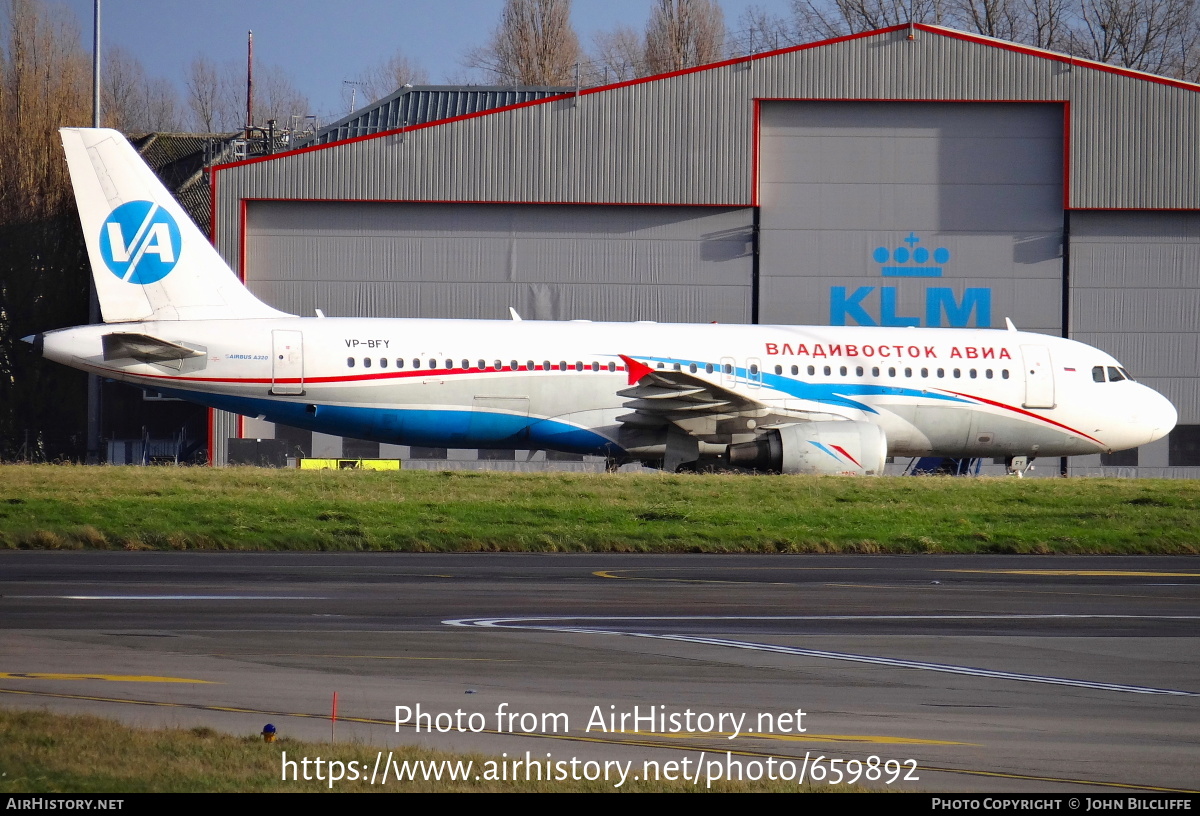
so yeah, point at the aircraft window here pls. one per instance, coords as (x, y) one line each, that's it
(692, 368)
(383, 362)
(708, 368)
(482, 365)
(1128, 376)
(416, 363)
(1004, 373)
(859, 371)
(433, 363)
(875, 371)
(562, 365)
(466, 364)
(678, 367)
(728, 368)
(891, 372)
(1098, 373)
(812, 370)
(941, 372)
(754, 368)
(349, 362)
(399, 362)
(497, 364)
(924, 372)
(988, 373)
(1114, 375)
(957, 373)
(795, 370)
(366, 362)
(973, 373)
(579, 365)
(595, 366)
(908, 372)
(828, 371)
(546, 365)
(842, 371)
(515, 365)
(662, 365)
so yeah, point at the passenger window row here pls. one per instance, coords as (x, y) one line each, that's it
(894, 371)
(480, 365)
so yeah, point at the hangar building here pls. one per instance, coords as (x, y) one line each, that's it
(914, 175)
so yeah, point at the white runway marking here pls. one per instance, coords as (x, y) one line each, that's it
(543, 624)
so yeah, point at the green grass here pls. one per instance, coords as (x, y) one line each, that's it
(42, 752)
(75, 507)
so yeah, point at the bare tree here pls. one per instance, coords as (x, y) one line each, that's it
(684, 33)
(533, 45)
(386, 77)
(214, 96)
(1047, 23)
(761, 30)
(134, 102)
(822, 19)
(1002, 19)
(275, 97)
(44, 85)
(1159, 36)
(619, 55)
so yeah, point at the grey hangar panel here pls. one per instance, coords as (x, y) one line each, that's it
(854, 195)
(673, 264)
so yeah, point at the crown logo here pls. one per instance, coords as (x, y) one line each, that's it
(911, 261)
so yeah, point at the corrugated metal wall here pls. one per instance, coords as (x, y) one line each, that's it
(1135, 292)
(687, 139)
(550, 262)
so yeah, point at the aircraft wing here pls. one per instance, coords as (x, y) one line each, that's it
(661, 397)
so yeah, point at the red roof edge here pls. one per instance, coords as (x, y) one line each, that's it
(923, 27)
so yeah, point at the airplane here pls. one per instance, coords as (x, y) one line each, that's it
(782, 399)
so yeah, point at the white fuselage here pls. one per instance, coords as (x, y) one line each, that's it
(554, 385)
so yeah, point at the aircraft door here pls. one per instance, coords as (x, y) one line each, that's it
(287, 362)
(1039, 377)
(729, 375)
(754, 377)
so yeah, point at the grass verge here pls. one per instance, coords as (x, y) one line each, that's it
(75, 507)
(42, 752)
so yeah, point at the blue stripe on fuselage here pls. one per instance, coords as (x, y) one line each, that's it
(827, 393)
(428, 427)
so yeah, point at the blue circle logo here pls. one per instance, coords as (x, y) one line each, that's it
(140, 242)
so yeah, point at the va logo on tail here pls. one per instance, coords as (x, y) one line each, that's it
(140, 242)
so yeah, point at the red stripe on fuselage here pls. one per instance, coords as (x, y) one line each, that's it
(354, 378)
(1029, 414)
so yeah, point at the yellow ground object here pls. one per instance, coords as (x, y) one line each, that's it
(349, 464)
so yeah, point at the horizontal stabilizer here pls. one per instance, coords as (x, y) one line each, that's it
(124, 345)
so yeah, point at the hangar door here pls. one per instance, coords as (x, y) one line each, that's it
(911, 213)
(550, 262)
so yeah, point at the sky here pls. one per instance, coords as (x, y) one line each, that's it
(320, 44)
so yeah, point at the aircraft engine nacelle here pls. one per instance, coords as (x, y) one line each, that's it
(818, 448)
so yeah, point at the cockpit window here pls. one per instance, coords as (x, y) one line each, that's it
(1098, 373)
(1114, 374)
(1128, 376)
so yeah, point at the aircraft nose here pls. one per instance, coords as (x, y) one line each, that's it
(1159, 415)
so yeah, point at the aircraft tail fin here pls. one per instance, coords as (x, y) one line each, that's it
(149, 260)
